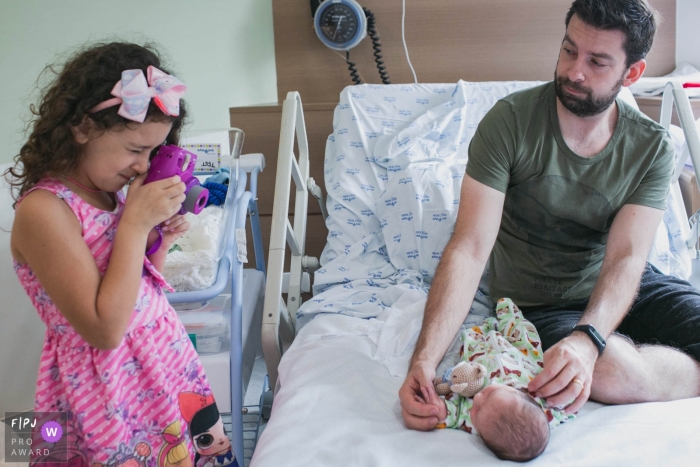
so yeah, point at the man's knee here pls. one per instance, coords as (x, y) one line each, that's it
(621, 374)
(666, 312)
(628, 373)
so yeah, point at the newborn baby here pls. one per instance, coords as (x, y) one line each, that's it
(501, 356)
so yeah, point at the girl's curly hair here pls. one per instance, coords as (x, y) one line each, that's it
(85, 80)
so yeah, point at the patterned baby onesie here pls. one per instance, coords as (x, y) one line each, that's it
(125, 405)
(510, 349)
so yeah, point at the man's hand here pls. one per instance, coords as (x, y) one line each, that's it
(430, 397)
(566, 379)
(418, 398)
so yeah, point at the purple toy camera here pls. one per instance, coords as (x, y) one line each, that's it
(172, 160)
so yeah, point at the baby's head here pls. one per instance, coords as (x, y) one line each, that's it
(69, 94)
(510, 423)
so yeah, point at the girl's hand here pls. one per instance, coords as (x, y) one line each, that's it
(149, 205)
(173, 229)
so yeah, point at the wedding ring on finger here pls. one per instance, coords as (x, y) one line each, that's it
(579, 382)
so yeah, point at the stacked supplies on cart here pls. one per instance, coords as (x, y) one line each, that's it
(207, 324)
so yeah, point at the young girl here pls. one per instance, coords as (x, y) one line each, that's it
(115, 356)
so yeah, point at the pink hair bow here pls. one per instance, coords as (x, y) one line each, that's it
(134, 94)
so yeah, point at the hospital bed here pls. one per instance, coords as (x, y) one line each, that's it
(393, 167)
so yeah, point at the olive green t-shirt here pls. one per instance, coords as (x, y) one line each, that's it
(559, 206)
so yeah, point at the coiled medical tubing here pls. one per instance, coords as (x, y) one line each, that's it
(376, 45)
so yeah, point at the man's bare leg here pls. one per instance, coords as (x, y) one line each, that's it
(628, 374)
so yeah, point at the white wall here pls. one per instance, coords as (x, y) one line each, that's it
(222, 49)
(688, 32)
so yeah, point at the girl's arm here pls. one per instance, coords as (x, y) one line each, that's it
(47, 235)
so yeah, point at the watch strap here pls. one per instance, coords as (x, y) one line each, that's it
(593, 334)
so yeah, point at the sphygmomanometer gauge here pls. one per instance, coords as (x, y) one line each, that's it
(340, 24)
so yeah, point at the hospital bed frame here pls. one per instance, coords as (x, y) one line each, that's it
(675, 94)
(279, 318)
(239, 202)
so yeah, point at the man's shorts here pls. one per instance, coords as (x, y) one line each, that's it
(665, 311)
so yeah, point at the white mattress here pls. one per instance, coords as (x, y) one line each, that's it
(337, 405)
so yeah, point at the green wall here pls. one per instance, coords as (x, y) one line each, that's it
(222, 49)
(224, 52)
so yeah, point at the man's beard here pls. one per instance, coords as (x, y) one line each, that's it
(588, 106)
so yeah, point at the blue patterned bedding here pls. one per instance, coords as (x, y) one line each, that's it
(393, 170)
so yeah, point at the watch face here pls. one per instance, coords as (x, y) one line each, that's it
(338, 23)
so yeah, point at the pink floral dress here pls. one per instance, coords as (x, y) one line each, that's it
(123, 404)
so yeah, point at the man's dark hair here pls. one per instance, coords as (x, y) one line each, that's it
(635, 18)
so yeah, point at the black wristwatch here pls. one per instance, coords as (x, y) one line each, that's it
(593, 334)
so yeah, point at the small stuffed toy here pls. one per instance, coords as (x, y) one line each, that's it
(465, 378)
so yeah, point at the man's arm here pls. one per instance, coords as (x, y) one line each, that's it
(451, 294)
(574, 357)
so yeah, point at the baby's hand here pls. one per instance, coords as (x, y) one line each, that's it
(442, 412)
(431, 397)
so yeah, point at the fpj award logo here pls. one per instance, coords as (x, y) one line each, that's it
(35, 436)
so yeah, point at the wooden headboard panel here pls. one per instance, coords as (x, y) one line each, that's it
(448, 40)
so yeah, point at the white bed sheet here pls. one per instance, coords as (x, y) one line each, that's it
(338, 406)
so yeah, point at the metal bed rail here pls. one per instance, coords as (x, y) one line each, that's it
(279, 321)
(675, 94)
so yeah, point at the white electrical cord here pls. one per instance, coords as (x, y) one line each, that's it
(403, 37)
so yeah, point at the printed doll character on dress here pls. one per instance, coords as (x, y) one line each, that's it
(486, 392)
(115, 355)
(207, 430)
